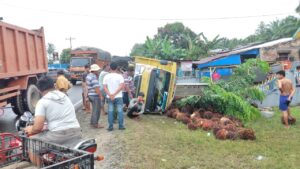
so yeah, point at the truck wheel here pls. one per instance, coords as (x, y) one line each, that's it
(73, 82)
(31, 96)
(18, 105)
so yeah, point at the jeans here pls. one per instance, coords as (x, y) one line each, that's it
(96, 105)
(118, 104)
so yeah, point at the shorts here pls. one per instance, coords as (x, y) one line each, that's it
(284, 103)
(62, 137)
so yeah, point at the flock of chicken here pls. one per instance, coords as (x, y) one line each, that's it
(223, 127)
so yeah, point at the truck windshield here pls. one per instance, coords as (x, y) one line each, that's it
(80, 62)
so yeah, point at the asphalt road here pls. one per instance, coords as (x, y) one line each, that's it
(7, 121)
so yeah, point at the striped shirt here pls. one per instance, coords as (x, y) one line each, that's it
(128, 80)
(92, 83)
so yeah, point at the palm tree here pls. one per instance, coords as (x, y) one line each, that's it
(207, 44)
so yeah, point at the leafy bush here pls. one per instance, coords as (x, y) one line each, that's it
(223, 102)
(233, 96)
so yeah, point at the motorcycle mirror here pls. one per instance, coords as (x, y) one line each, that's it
(28, 114)
(24, 118)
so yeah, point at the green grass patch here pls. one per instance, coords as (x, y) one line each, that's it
(161, 142)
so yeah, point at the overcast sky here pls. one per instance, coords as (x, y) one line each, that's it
(116, 25)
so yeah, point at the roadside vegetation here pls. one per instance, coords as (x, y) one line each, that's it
(161, 142)
(176, 41)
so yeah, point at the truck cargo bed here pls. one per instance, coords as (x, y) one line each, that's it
(22, 51)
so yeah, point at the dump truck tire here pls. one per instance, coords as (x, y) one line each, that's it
(31, 96)
(18, 105)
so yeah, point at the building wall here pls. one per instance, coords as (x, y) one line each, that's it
(271, 54)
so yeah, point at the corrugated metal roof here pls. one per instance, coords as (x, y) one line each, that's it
(241, 50)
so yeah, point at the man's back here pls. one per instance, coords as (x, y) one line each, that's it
(113, 81)
(286, 86)
(101, 77)
(58, 111)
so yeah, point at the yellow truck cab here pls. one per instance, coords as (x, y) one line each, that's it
(156, 79)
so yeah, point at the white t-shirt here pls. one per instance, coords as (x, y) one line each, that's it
(113, 82)
(58, 111)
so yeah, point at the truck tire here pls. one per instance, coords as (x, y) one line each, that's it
(73, 82)
(18, 105)
(31, 97)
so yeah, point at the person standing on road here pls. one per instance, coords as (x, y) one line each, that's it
(85, 100)
(128, 91)
(287, 92)
(113, 86)
(62, 83)
(94, 94)
(104, 72)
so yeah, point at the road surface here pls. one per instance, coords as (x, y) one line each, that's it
(7, 121)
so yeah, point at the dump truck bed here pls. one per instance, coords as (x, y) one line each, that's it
(22, 51)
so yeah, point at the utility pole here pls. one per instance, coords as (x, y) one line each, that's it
(70, 39)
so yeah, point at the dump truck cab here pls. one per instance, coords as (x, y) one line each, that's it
(82, 56)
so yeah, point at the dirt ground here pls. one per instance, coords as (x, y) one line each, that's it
(109, 143)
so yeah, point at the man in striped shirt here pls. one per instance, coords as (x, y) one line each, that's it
(94, 94)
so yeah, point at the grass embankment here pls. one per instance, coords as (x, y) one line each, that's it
(158, 142)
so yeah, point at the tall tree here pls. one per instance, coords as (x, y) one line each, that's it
(50, 51)
(65, 56)
(138, 50)
(176, 33)
(298, 9)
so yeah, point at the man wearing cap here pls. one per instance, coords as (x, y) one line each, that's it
(94, 94)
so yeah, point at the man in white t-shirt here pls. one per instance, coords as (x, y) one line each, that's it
(113, 85)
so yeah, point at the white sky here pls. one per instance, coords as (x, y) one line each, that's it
(116, 25)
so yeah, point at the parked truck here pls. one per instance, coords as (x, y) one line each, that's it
(22, 61)
(86, 56)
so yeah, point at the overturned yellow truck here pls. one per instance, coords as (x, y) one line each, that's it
(157, 80)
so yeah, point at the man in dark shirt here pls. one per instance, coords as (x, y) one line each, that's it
(86, 102)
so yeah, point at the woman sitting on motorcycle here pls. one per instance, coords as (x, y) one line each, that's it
(57, 110)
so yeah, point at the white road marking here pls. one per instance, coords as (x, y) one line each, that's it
(77, 104)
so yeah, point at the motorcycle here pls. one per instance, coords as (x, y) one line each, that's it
(88, 145)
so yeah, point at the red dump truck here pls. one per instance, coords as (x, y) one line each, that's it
(22, 61)
(82, 56)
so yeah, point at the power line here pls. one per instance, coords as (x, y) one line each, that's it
(150, 19)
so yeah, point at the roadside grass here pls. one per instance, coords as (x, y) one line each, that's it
(158, 142)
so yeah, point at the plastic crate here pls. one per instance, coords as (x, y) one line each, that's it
(15, 149)
(10, 149)
(56, 156)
